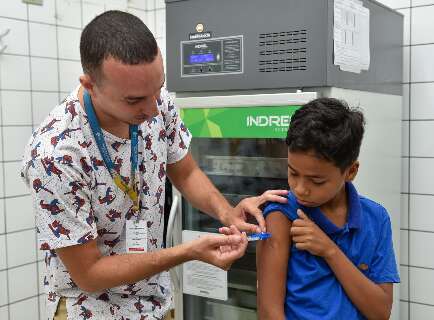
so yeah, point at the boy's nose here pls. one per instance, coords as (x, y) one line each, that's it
(301, 190)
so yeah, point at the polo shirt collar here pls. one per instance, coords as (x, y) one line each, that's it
(354, 213)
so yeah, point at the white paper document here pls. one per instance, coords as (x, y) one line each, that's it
(203, 279)
(351, 36)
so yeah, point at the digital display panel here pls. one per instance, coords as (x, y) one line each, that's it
(201, 58)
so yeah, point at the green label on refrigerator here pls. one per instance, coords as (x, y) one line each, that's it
(239, 122)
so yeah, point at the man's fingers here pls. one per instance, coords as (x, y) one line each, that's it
(277, 192)
(248, 227)
(274, 198)
(225, 230)
(259, 218)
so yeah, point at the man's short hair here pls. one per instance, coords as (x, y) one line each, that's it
(328, 128)
(115, 34)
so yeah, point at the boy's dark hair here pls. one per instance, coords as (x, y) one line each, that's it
(115, 34)
(330, 129)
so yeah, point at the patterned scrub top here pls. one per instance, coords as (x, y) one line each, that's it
(76, 200)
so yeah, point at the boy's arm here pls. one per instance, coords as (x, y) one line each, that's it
(272, 265)
(373, 300)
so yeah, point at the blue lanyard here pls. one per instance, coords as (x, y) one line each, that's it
(99, 138)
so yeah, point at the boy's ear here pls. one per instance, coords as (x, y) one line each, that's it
(352, 171)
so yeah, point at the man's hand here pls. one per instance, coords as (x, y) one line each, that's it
(220, 250)
(251, 206)
(308, 236)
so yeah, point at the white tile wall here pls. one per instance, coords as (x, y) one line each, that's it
(406, 102)
(403, 270)
(138, 4)
(421, 244)
(142, 14)
(420, 311)
(405, 138)
(22, 282)
(41, 79)
(4, 312)
(3, 257)
(16, 108)
(15, 72)
(69, 71)
(45, 13)
(3, 288)
(69, 43)
(422, 101)
(403, 310)
(422, 175)
(91, 10)
(421, 144)
(421, 2)
(13, 9)
(15, 139)
(43, 40)
(43, 103)
(17, 40)
(396, 3)
(15, 186)
(27, 309)
(422, 212)
(21, 247)
(150, 21)
(160, 4)
(19, 214)
(404, 211)
(42, 309)
(404, 176)
(2, 218)
(422, 64)
(68, 13)
(422, 23)
(421, 285)
(404, 258)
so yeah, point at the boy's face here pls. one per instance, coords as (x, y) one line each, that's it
(315, 181)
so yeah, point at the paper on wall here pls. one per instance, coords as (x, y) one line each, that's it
(351, 35)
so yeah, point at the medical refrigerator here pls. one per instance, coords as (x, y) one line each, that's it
(238, 70)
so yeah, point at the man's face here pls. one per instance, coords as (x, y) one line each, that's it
(129, 93)
(315, 181)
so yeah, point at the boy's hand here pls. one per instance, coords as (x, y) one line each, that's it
(308, 236)
(251, 206)
(220, 250)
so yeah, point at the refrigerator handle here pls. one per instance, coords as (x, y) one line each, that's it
(169, 238)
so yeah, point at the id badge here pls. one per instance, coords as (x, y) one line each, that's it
(136, 236)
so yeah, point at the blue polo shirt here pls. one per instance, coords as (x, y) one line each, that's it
(312, 290)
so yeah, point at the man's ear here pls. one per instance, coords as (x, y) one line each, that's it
(87, 83)
(352, 171)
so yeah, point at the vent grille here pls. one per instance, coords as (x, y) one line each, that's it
(283, 51)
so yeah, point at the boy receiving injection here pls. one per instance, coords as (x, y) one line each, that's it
(331, 254)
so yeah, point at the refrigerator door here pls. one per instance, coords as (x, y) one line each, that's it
(239, 143)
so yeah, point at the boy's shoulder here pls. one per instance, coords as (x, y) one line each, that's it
(373, 210)
(289, 209)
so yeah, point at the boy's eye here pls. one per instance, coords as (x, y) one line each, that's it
(318, 182)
